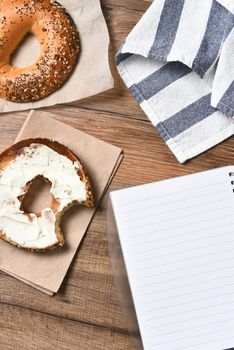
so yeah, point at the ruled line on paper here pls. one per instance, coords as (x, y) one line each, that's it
(190, 284)
(191, 310)
(192, 319)
(187, 303)
(175, 227)
(193, 336)
(195, 327)
(187, 285)
(206, 342)
(177, 218)
(174, 210)
(182, 260)
(188, 268)
(190, 293)
(180, 251)
(169, 194)
(192, 328)
(180, 235)
(183, 242)
(189, 198)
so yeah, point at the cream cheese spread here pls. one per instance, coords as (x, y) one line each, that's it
(31, 230)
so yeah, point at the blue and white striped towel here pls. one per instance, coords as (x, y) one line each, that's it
(178, 62)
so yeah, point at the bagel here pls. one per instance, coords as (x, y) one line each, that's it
(20, 165)
(59, 48)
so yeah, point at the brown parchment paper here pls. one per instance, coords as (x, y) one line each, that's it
(46, 271)
(92, 74)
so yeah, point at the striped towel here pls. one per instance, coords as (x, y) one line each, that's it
(178, 62)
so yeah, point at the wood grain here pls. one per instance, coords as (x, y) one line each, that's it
(85, 314)
(32, 330)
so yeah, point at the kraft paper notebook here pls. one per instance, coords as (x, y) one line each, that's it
(177, 239)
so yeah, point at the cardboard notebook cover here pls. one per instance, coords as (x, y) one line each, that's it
(46, 271)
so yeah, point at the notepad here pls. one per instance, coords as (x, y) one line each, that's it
(177, 239)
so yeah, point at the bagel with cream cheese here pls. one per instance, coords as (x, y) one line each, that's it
(20, 165)
(59, 48)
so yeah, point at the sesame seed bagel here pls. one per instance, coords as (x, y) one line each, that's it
(20, 165)
(59, 48)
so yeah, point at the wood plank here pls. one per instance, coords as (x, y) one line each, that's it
(31, 330)
(136, 5)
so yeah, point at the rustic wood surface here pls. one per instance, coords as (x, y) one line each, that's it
(85, 314)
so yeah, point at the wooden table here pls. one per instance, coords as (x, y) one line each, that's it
(85, 314)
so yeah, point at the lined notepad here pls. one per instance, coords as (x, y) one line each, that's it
(177, 238)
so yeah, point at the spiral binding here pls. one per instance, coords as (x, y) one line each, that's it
(232, 182)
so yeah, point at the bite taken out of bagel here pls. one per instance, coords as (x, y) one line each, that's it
(59, 48)
(20, 165)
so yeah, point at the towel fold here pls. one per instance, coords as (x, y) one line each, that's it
(178, 63)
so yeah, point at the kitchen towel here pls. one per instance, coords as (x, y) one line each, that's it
(178, 63)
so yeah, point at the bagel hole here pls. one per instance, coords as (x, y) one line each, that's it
(38, 196)
(26, 53)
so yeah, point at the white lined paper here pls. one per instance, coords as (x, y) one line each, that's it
(177, 238)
